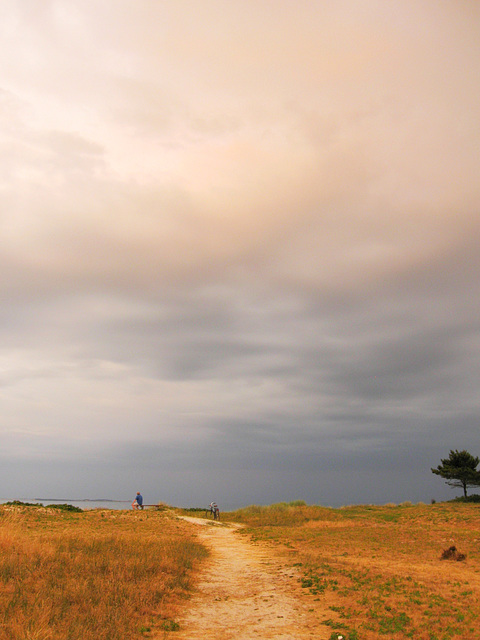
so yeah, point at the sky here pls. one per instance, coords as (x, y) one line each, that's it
(240, 247)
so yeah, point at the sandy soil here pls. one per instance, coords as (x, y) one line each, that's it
(247, 590)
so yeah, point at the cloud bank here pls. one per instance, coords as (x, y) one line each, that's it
(239, 248)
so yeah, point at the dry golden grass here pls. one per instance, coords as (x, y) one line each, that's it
(379, 570)
(122, 574)
(97, 574)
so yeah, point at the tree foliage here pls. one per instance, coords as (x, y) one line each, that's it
(459, 470)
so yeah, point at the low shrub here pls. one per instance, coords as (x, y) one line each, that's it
(281, 514)
(473, 498)
(65, 507)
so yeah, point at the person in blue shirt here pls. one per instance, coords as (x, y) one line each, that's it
(138, 502)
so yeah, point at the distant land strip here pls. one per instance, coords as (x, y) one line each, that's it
(75, 500)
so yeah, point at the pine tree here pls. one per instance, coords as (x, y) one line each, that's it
(459, 470)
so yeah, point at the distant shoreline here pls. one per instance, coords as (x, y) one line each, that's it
(75, 500)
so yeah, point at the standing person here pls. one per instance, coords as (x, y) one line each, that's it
(215, 510)
(138, 502)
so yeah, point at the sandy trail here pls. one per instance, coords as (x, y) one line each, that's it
(246, 591)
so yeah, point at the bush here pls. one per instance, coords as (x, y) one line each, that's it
(60, 507)
(65, 507)
(19, 503)
(473, 498)
(282, 514)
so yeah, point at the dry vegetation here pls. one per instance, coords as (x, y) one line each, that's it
(97, 574)
(379, 570)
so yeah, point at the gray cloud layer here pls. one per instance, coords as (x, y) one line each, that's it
(238, 261)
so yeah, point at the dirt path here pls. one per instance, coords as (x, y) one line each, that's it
(247, 591)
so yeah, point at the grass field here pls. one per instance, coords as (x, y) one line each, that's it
(378, 569)
(97, 574)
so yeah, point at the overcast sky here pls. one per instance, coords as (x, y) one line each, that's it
(240, 248)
